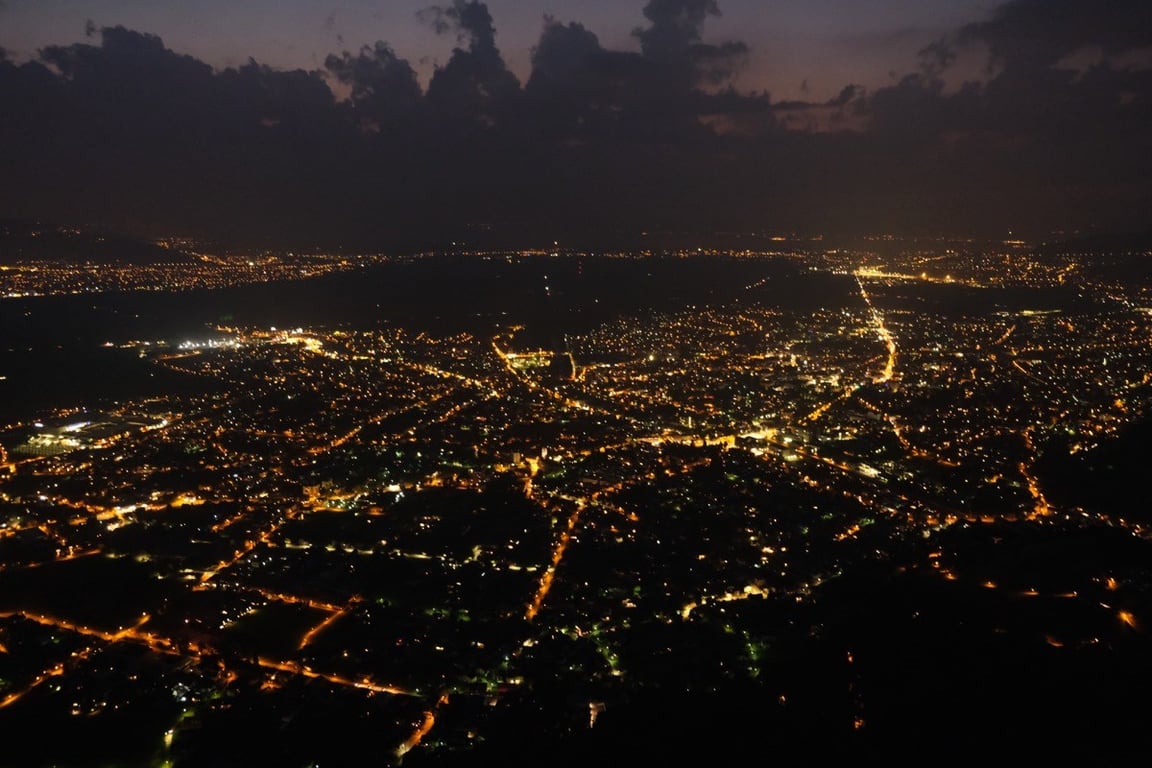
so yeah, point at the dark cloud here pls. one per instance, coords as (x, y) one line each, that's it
(129, 132)
(675, 89)
(1057, 70)
(847, 94)
(675, 25)
(123, 131)
(1032, 35)
(1060, 130)
(575, 83)
(474, 90)
(469, 19)
(384, 91)
(673, 41)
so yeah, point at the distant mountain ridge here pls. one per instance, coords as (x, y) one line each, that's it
(29, 240)
(1129, 242)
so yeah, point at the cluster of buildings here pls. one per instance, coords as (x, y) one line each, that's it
(384, 512)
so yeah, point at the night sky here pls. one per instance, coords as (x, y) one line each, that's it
(400, 124)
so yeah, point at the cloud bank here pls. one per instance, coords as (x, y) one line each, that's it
(1056, 134)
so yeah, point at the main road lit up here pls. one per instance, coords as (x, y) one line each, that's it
(885, 334)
